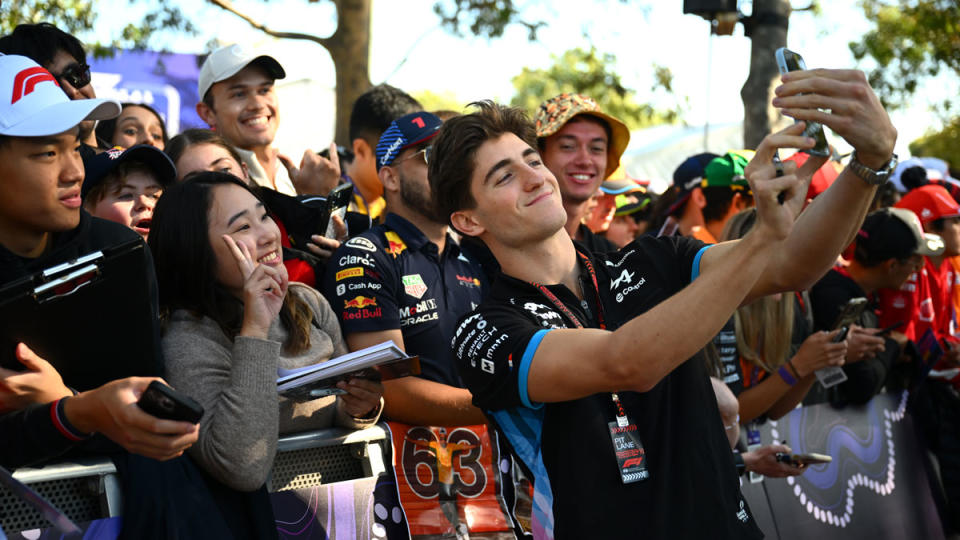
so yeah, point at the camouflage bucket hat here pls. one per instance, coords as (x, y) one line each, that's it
(555, 112)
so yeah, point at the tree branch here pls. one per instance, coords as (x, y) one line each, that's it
(228, 6)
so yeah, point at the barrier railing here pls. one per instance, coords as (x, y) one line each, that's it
(88, 489)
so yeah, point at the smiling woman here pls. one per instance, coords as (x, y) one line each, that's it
(232, 320)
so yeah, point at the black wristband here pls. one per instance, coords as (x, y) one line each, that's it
(738, 461)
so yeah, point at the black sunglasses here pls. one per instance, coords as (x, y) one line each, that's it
(78, 75)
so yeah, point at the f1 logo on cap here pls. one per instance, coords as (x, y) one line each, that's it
(28, 79)
(418, 121)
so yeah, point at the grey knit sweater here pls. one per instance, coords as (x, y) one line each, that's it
(236, 382)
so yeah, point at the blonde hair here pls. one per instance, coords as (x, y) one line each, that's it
(764, 328)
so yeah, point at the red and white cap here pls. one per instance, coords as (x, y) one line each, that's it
(32, 104)
(930, 202)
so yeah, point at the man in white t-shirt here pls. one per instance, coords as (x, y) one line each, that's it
(239, 102)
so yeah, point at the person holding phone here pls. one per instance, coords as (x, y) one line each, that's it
(575, 356)
(889, 248)
(779, 353)
(196, 150)
(233, 320)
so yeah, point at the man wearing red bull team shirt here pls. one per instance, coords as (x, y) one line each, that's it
(407, 280)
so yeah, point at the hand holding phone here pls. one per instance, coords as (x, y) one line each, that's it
(788, 60)
(798, 460)
(166, 403)
(886, 331)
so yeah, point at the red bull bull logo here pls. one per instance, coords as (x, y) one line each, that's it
(359, 302)
(395, 245)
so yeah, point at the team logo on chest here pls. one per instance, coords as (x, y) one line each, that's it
(362, 243)
(414, 286)
(395, 245)
(546, 316)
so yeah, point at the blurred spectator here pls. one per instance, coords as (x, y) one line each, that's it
(62, 55)
(680, 208)
(628, 200)
(371, 115)
(890, 247)
(418, 278)
(581, 145)
(823, 178)
(778, 352)
(239, 102)
(925, 300)
(725, 189)
(123, 185)
(234, 320)
(763, 460)
(197, 150)
(138, 123)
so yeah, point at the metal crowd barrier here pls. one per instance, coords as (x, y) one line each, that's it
(88, 489)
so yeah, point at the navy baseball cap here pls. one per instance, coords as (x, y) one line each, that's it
(99, 166)
(687, 176)
(408, 130)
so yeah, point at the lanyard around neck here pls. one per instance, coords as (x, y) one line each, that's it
(563, 308)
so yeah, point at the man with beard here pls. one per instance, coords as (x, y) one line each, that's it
(408, 280)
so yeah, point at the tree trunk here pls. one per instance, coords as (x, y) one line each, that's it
(768, 32)
(349, 47)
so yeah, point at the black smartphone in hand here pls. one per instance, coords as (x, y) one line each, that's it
(166, 403)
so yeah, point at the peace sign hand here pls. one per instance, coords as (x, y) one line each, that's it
(264, 288)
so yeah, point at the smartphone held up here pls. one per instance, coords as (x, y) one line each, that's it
(788, 60)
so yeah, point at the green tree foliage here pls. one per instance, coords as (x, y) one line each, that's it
(78, 17)
(589, 72)
(943, 144)
(437, 101)
(73, 16)
(488, 18)
(911, 40)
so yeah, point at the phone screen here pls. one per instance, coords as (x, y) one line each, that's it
(788, 60)
(338, 200)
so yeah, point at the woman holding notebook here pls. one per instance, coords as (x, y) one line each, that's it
(232, 320)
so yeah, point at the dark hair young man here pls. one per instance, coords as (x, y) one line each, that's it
(581, 145)
(41, 225)
(62, 55)
(890, 246)
(419, 278)
(372, 113)
(618, 431)
(239, 102)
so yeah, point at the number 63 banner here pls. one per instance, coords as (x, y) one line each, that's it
(454, 480)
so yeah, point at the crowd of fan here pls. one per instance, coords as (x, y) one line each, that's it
(241, 292)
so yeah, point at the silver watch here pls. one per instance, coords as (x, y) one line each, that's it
(870, 176)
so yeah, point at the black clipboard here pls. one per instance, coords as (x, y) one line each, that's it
(92, 318)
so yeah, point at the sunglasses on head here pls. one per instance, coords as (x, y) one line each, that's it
(78, 75)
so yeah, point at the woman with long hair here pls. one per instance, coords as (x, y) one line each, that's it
(232, 319)
(778, 352)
